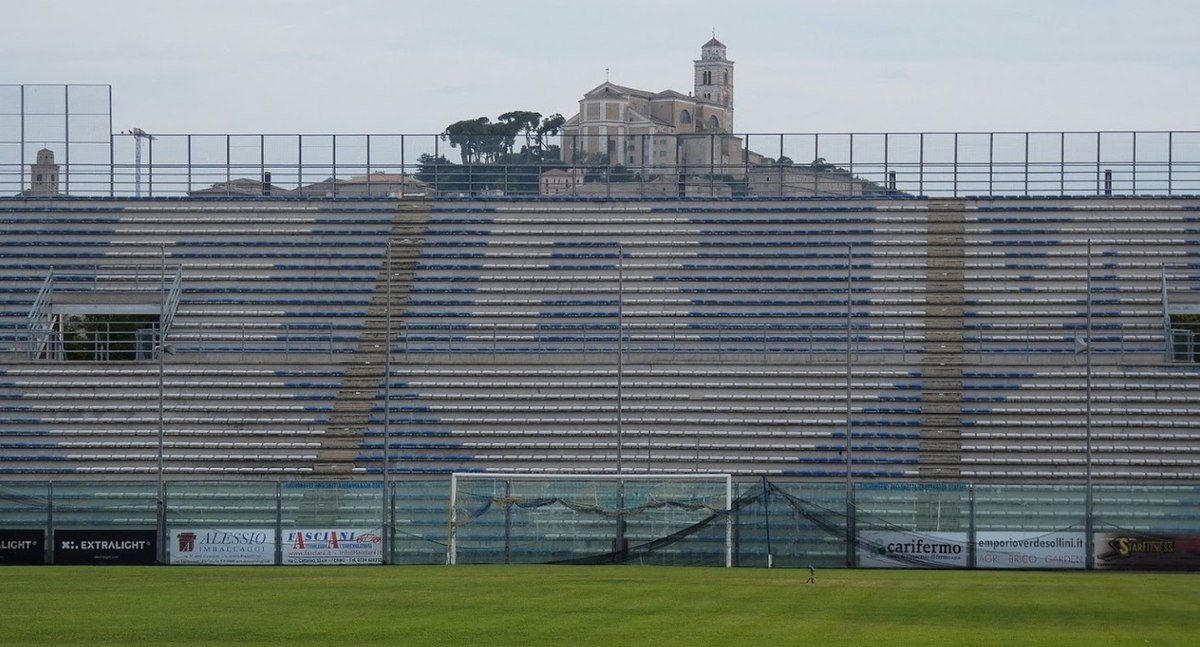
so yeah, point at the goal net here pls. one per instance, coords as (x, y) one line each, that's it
(590, 519)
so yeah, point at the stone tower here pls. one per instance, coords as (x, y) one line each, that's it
(714, 79)
(43, 175)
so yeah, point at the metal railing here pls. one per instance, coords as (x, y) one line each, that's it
(40, 323)
(935, 164)
(117, 339)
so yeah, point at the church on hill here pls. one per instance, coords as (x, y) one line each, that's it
(617, 125)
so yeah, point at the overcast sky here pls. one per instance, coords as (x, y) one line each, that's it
(360, 66)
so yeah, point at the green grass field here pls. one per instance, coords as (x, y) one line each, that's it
(589, 605)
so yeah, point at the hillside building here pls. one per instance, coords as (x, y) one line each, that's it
(667, 130)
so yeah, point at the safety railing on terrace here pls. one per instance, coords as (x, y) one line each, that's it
(935, 164)
(104, 338)
(107, 338)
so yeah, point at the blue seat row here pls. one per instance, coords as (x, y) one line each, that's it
(401, 444)
(786, 209)
(810, 220)
(862, 242)
(782, 278)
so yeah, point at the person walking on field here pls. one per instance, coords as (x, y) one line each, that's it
(812, 575)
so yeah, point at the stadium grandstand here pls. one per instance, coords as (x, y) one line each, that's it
(951, 338)
(269, 353)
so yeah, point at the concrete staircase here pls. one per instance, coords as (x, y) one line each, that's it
(363, 381)
(941, 364)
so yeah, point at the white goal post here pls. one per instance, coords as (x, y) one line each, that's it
(560, 517)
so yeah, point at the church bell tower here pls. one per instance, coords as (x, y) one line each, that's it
(43, 175)
(714, 79)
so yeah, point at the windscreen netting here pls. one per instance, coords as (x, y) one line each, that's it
(583, 520)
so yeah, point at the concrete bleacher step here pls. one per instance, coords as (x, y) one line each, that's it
(948, 348)
(333, 468)
(942, 302)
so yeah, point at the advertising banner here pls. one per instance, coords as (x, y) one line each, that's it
(104, 547)
(892, 549)
(1144, 551)
(222, 546)
(332, 546)
(22, 546)
(1020, 549)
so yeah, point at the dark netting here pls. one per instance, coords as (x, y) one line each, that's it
(581, 521)
(645, 552)
(833, 523)
(612, 513)
(828, 520)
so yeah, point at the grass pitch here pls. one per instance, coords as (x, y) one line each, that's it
(589, 605)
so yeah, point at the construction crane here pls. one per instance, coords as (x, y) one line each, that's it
(138, 136)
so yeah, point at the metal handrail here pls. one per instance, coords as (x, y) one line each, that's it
(40, 324)
(171, 303)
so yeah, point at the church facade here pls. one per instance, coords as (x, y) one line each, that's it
(663, 131)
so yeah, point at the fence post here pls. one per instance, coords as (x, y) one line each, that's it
(767, 519)
(1170, 159)
(850, 157)
(49, 546)
(1133, 166)
(1062, 164)
(972, 561)
(391, 527)
(955, 175)
(851, 528)
(921, 166)
(278, 522)
(507, 521)
(992, 164)
(1026, 164)
(161, 523)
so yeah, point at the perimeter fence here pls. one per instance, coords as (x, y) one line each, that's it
(934, 164)
(576, 519)
(86, 158)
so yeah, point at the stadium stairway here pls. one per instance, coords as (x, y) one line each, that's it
(362, 384)
(941, 364)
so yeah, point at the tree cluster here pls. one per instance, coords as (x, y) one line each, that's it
(98, 337)
(482, 141)
(491, 161)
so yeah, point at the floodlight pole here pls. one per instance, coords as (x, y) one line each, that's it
(620, 357)
(619, 543)
(138, 136)
(850, 507)
(1089, 503)
(160, 498)
(387, 405)
(160, 349)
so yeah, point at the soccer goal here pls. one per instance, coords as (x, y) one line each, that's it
(590, 519)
